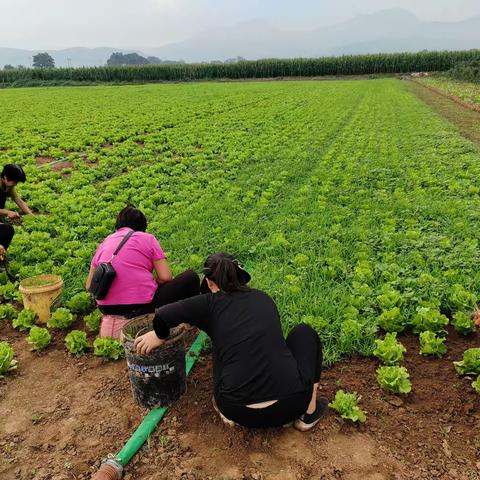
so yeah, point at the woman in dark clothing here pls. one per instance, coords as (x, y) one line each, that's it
(260, 379)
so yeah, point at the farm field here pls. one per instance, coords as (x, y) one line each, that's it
(351, 202)
(466, 91)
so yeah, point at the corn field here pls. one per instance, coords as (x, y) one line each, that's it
(266, 68)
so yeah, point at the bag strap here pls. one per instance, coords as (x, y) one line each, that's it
(122, 243)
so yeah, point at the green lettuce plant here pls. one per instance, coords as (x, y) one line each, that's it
(92, 321)
(394, 379)
(108, 348)
(431, 344)
(392, 320)
(76, 342)
(346, 404)
(25, 319)
(80, 303)
(7, 312)
(470, 364)
(463, 323)
(476, 385)
(389, 350)
(429, 319)
(38, 338)
(61, 318)
(7, 363)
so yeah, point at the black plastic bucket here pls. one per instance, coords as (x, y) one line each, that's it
(158, 379)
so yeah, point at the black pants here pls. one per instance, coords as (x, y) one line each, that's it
(6, 234)
(304, 343)
(185, 285)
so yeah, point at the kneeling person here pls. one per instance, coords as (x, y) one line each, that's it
(260, 379)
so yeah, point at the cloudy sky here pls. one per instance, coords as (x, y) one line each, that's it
(33, 24)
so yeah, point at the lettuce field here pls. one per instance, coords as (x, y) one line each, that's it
(350, 202)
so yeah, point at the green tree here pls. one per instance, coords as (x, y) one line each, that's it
(43, 60)
(118, 58)
(8, 67)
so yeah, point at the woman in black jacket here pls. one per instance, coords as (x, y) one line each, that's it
(260, 379)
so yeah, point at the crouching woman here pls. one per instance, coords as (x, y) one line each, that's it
(143, 280)
(260, 379)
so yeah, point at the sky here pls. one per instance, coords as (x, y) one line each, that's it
(55, 24)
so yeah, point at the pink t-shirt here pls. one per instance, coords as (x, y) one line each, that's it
(134, 283)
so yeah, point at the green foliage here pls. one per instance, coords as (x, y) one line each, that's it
(389, 299)
(92, 321)
(430, 344)
(108, 348)
(76, 342)
(470, 364)
(466, 71)
(7, 363)
(346, 404)
(461, 299)
(38, 338)
(392, 320)
(10, 292)
(61, 318)
(476, 385)
(463, 323)
(389, 350)
(80, 303)
(340, 65)
(429, 319)
(7, 312)
(25, 319)
(373, 220)
(394, 379)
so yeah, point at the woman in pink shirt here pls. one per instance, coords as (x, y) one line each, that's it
(135, 290)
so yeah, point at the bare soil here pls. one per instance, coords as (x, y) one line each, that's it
(60, 415)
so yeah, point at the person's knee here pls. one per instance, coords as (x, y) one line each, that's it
(192, 279)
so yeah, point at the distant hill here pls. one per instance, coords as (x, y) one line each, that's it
(394, 30)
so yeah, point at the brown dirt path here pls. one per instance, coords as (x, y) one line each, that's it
(465, 118)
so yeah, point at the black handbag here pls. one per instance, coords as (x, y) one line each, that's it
(105, 273)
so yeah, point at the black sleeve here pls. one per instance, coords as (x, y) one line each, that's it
(194, 311)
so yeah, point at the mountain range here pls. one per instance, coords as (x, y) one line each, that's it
(393, 30)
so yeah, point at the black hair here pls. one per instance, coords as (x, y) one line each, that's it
(132, 218)
(13, 172)
(226, 272)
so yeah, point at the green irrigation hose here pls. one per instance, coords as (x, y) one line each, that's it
(152, 419)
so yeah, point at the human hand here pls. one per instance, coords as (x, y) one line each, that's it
(2, 251)
(147, 342)
(12, 215)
